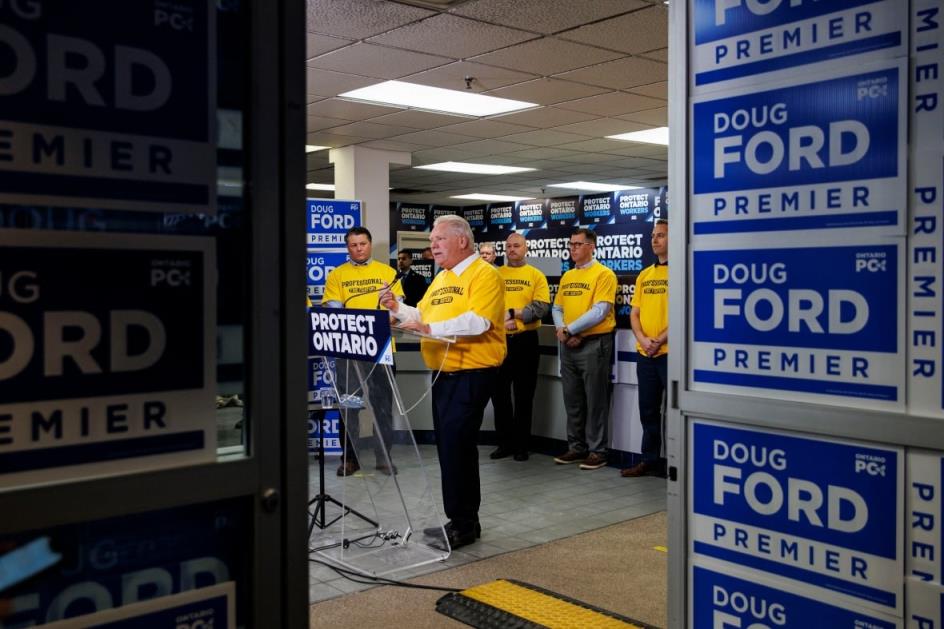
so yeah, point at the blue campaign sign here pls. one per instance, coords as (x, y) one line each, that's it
(822, 321)
(95, 116)
(562, 211)
(129, 325)
(740, 39)
(351, 333)
(720, 600)
(329, 220)
(827, 513)
(408, 217)
(116, 567)
(475, 216)
(330, 427)
(318, 265)
(596, 209)
(501, 217)
(530, 214)
(823, 154)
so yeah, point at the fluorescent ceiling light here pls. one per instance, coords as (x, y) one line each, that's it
(435, 99)
(649, 136)
(480, 169)
(311, 148)
(589, 185)
(490, 197)
(320, 186)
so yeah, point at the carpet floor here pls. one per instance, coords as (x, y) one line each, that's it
(619, 568)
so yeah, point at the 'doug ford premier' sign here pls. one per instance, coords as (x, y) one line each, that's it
(822, 154)
(101, 116)
(825, 513)
(106, 354)
(815, 322)
(741, 39)
(329, 220)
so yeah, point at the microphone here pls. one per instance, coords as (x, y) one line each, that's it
(397, 278)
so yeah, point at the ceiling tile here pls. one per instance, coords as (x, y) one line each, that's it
(376, 61)
(338, 108)
(620, 73)
(416, 119)
(655, 90)
(316, 44)
(658, 117)
(326, 138)
(546, 91)
(358, 19)
(485, 128)
(490, 147)
(451, 36)
(600, 145)
(546, 56)
(600, 127)
(370, 130)
(659, 55)
(544, 117)
(316, 123)
(542, 153)
(392, 145)
(544, 16)
(612, 104)
(544, 138)
(326, 83)
(433, 138)
(452, 76)
(635, 32)
(439, 154)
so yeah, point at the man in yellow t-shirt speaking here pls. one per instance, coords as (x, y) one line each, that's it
(585, 320)
(650, 320)
(527, 300)
(358, 284)
(465, 300)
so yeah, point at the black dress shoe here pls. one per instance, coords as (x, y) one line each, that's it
(459, 539)
(435, 531)
(521, 456)
(499, 453)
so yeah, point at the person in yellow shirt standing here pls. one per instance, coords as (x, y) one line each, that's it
(585, 319)
(527, 300)
(650, 320)
(465, 300)
(358, 284)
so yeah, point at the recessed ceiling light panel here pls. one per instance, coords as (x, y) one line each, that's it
(311, 148)
(465, 103)
(596, 187)
(490, 197)
(478, 169)
(320, 186)
(659, 135)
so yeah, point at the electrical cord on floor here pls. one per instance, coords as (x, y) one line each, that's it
(350, 574)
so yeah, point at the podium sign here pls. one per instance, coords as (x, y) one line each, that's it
(351, 333)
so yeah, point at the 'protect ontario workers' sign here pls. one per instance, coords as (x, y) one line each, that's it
(106, 354)
(105, 117)
(329, 220)
(723, 601)
(825, 324)
(741, 39)
(351, 333)
(823, 154)
(820, 512)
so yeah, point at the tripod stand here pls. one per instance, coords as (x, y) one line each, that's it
(319, 516)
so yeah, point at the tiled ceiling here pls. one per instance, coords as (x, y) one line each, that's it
(595, 67)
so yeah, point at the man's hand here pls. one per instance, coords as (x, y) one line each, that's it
(388, 300)
(574, 342)
(561, 335)
(416, 326)
(650, 346)
(511, 324)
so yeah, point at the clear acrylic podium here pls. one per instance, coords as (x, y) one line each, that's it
(384, 517)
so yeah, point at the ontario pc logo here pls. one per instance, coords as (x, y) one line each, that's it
(870, 464)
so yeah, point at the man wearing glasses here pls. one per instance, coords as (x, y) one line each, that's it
(585, 319)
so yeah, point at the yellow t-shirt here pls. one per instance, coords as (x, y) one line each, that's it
(651, 296)
(581, 288)
(361, 283)
(523, 285)
(479, 289)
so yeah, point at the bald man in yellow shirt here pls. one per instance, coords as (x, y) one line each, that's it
(465, 300)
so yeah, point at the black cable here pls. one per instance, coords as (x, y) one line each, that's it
(350, 574)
